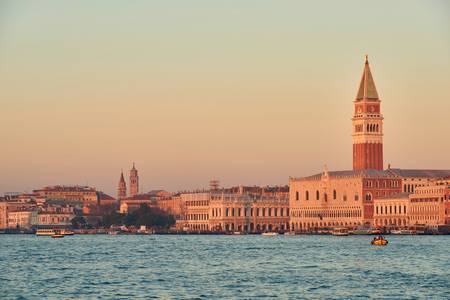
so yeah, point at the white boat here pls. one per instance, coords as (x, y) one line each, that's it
(340, 232)
(52, 231)
(269, 233)
(402, 232)
(46, 232)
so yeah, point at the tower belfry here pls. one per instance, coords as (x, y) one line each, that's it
(367, 125)
(134, 182)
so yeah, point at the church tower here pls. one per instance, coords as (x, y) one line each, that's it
(122, 187)
(367, 125)
(134, 182)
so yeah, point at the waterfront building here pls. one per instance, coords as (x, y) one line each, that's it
(392, 211)
(244, 213)
(430, 205)
(339, 198)
(22, 219)
(195, 211)
(134, 182)
(122, 187)
(171, 204)
(55, 215)
(10, 206)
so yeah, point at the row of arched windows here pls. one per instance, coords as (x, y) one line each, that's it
(250, 212)
(396, 209)
(325, 196)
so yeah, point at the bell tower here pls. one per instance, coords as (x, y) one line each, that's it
(122, 188)
(367, 125)
(134, 182)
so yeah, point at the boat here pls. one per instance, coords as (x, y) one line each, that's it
(269, 233)
(361, 231)
(46, 232)
(340, 231)
(289, 233)
(379, 241)
(57, 234)
(52, 231)
(403, 232)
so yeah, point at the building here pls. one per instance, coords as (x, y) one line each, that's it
(392, 212)
(195, 211)
(55, 215)
(245, 213)
(134, 182)
(150, 199)
(122, 187)
(11, 206)
(339, 198)
(81, 194)
(367, 125)
(413, 178)
(22, 219)
(430, 205)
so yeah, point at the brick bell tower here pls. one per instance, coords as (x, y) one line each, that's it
(367, 125)
(134, 182)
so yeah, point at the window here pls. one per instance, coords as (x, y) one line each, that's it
(334, 194)
(296, 196)
(317, 195)
(325, 197)
(356, 197)
(307, 195)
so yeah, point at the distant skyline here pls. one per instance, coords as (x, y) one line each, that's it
(246, 92)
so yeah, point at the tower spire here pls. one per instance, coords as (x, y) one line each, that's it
(367, 90)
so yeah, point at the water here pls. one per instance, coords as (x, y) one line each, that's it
(227, 267)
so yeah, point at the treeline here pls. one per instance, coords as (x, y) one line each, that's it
(144, 215)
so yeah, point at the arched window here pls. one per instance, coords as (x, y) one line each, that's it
(325, 197)
(368, 128)
(296, 196)
(368, 196)
(334, 194)
(317, 195)
(307, 195)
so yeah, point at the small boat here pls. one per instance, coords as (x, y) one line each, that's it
(269, 233)
(289, 233)
(340, 232)
(379, 241)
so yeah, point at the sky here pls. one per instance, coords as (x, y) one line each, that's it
(248, 92)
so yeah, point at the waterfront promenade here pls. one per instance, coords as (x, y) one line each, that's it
(223, 267)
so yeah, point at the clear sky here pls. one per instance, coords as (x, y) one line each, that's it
(248, 92)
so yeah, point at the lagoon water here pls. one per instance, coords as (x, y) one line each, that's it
(226, 267)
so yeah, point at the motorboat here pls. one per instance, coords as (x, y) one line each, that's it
(269, 233)
(340, 231)
(379, 241)
(52, 231)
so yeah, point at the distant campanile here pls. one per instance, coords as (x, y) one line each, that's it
(134, 182)
(122, 188)
(367, 125)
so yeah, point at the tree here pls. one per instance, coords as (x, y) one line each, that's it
(78, 222)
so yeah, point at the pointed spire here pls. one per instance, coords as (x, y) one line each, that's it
(133, 167)
(367, 89)
(122, 179)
